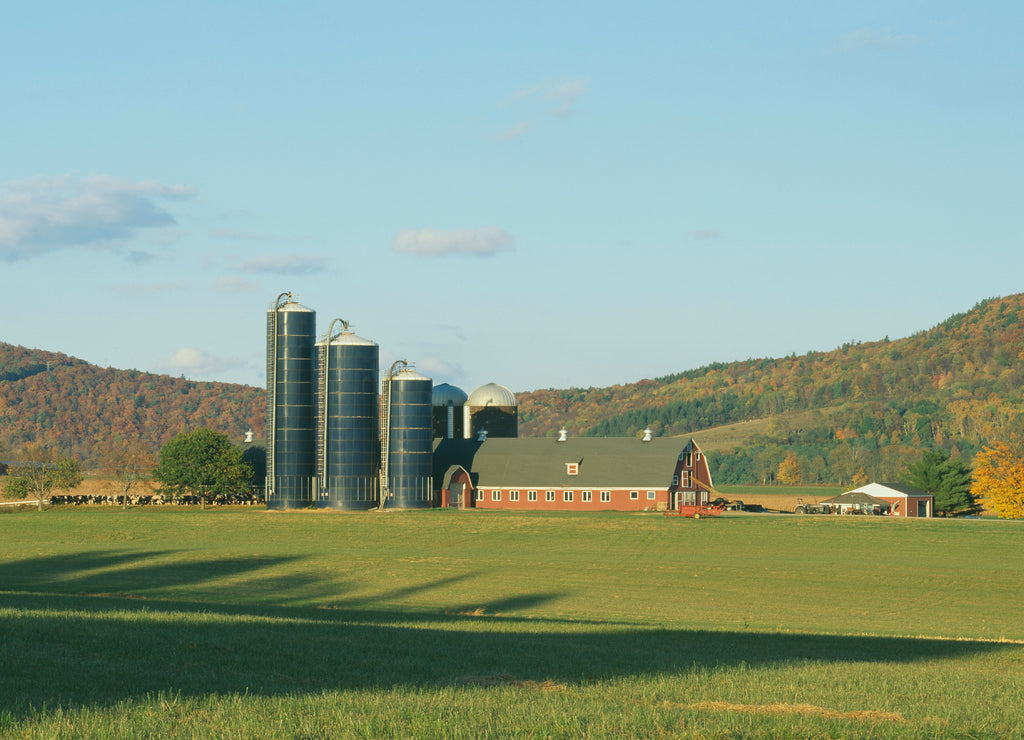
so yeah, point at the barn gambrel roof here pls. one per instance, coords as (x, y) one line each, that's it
(541, 462)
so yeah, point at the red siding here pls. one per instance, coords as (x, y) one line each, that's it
(619, 499)
(696, 467)
(907, 506)
(691, 468)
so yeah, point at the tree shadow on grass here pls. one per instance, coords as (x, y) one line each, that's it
(71, 650)
(165, 574)
(111, 571)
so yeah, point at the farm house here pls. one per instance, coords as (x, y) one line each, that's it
(570, 474)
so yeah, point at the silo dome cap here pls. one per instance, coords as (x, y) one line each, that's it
(407, 373)
(492, 394)
(294, 306)
(347, 337)
(445, 394)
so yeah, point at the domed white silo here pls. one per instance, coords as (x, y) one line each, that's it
(492, 408)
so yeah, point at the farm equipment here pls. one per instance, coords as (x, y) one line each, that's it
(802, 508)
(696, 511)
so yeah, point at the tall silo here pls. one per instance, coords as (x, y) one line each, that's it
(407, 401)
(348, 446)
(492, 408)
(447, 415)
(291, 429)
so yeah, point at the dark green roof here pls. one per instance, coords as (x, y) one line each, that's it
(855, 497)
(540, 462)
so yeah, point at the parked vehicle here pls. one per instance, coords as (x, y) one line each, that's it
(802, 508)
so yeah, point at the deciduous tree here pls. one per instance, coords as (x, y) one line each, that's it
(202, 463)
(789, 470)
(43, 472)
(999, 479)
(948, 480)
(130, 463)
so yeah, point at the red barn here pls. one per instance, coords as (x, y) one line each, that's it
(578, 474)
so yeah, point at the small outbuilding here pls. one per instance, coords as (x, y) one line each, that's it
(856, 502)
(903, 500)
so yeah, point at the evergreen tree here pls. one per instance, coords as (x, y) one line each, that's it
(947, 480)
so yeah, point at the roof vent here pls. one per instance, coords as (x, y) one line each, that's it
(481, 435)
(563, 434)
(648, 435)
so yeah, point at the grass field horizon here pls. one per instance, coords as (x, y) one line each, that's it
(250, 623)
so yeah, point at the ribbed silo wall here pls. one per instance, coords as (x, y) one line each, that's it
(499, 421)
(352, 445)
(411, 443)
(447, 421)
(290, 400)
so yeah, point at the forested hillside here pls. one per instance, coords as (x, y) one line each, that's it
(80, 408)
(862, 410)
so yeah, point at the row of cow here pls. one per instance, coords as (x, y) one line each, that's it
(251, 498)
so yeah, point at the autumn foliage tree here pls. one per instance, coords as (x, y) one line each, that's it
(999, 479)
(789, 470)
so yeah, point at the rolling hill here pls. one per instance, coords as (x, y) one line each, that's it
(61, 401)
(863, 410)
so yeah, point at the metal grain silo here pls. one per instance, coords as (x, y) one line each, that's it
(348, 445)
(407, 410)
(291, 431)
(492, 408)
(447, 414)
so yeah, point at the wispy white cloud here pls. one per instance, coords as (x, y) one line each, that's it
(193, 363)
(242, 235)
(514, 132)
(434, 242)
(436, 368)
(877, 39)
(562, 93)
(453, 331)
(703, 235)
(556, 98)
(565, 94)
(284, 264)
(40, 215)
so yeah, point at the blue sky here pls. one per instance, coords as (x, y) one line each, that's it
(539, 195)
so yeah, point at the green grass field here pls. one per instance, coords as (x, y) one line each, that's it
(247, 623)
